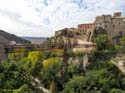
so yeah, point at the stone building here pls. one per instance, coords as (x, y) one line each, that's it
(84, 28)
(114, 25)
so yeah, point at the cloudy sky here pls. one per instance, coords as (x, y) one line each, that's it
(43, 17)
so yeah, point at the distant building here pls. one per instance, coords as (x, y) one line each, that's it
(12, 43)
(114, 25)
(83, 28)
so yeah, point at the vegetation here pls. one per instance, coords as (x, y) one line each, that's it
(19, 71)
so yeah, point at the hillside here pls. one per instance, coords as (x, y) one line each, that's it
(5, 38)
(35, 39)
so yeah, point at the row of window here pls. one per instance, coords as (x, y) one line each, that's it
(85, 27)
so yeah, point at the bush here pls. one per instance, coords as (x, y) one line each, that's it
(117, 91)
(75, 85)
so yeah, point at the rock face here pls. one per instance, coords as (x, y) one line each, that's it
(119, 61)
(96, 32)
(5, 38)
(67, 36)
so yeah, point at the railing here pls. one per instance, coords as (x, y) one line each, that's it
(30, 47)
(40, 47)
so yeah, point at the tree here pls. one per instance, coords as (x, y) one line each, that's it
(119, 49)
(34, 62)
(51, 71)
(117, 91)
(123, 83)
(101, 42)
(36, 56)
(75, 85)
(52, 87)
(73, 69)
(80, 56)
(18, 54)
(12, 75)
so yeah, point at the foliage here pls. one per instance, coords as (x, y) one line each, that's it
(17, 55)
(52, 87)
(36, 56)
(123, 82)
(117, 91)
(119, 48)
(101, 74)
(51, 68)
(101, 41)
(34, 62)
(75, 85)
(73, 69)
(79, 54)
(122, 39)
(51, 63)
(70, 52)
(12, 75)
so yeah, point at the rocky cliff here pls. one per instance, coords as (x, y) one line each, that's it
(67, 36)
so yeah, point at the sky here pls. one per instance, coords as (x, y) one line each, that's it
(41, 18)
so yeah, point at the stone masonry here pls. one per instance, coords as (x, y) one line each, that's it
(114, 25)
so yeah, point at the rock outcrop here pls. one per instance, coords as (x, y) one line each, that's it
(67, 36)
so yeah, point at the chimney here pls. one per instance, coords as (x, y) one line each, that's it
(117, 14)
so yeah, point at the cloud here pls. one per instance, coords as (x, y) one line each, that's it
(80, 3)
(43, 17)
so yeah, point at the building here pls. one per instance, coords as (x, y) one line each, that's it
(114, 25)
(83, 28)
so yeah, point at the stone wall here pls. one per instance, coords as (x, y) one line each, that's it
(112, 24)
(84, 28)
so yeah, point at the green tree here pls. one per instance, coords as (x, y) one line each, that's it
(52, 87)
(17, 54)
(77, 84)
(51, 71)
(101, 42)
(117, 91)
(12, 75)
(123, 82)
(73, 70)
(34, 62)
(80, 57)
